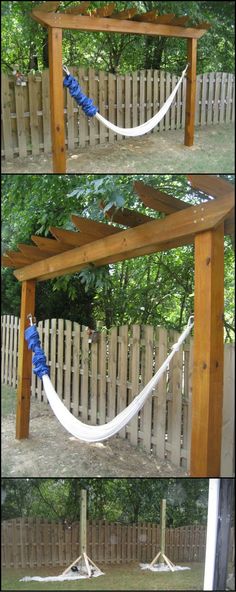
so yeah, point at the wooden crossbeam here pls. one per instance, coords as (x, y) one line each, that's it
(125, 14)
(49, 244)
(93, 228)
(113, 25)
(81, 9)
(104, 11)
(181, 226)
(158, 200)
(211, 185)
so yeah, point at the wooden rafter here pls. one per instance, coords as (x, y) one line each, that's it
(211, 185)
(181, 226)
(33, 252)
(81, 9)
(48, 244)
(158, 200)
(126, 217)
(93, 228)
(125, 14)
(180, 21)
(49, 6)
(104, 11)
(148, 17)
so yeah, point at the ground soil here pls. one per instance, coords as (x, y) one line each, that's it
(212, 152)
(51, 452)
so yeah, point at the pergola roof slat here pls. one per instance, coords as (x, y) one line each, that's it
(33, 252)
(18, 259)
(49, 6)
(104, 11)
(128, 13)
(211, 185)
(81, 9)
(93, 228)
(180, 21)
(48, 244)
(182, 226)
(147, 17)
(126, 217)
(158, 200)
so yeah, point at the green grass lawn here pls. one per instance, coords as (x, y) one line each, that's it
(8, 401)
(117, 577)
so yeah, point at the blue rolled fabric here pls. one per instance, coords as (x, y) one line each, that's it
(74, 88)
(39, 358)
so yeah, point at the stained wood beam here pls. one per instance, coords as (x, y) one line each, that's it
(125, 216)
(75, 239)
(203, 25)
(57, 99)
(180, 21)
(191, 92)
(24, 362)
(113, 25)
(211, 185)
(93, 228)
(158, 200)
(104, 11)
(49, 6)
(208, 360)
(164, 19)
(18, 258)
(180, 225)
(147, 17)
(81, 9)
(49, 244)
(33, 252)
(7, 262)
(125, 14)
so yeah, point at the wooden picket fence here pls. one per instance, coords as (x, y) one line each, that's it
(96, 380)
(29, 542)
(127, 100)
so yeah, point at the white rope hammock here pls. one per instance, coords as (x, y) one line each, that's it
(89, 433)
(144, 128)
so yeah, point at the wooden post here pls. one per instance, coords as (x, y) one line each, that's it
(191, 91)
(226, 496)
(208, 359)
(57, 100)
(83, 522)
(163, 526)
(24, 362)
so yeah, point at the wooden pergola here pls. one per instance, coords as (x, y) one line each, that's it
(94, 244)
(108, 20)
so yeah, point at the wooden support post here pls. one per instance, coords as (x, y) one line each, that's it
(163, 526)
(83, 522)
(24, 362)
(207, 398)
(226, 497)
(191, 92)
(57, 100)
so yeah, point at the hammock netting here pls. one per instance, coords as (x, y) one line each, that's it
(78, 429)
(92, 111)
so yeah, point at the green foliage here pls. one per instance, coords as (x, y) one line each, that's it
(24, 41)
(120, 500)
(157, 289)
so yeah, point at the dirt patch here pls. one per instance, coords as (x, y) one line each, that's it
(51, 452)
(213, 152)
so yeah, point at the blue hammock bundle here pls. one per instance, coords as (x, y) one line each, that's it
(75, 91)
(39, 358)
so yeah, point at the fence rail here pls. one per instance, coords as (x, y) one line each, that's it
(96, 380)
(127, 101)
(29, 542)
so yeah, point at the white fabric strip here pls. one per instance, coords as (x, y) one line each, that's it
(144, 128)
(88, 433)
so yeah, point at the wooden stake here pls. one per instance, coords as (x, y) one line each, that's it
(207, 399)
(83, 522)
(191, 91)
(163, 526)
(24, 362)
(57, 100)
